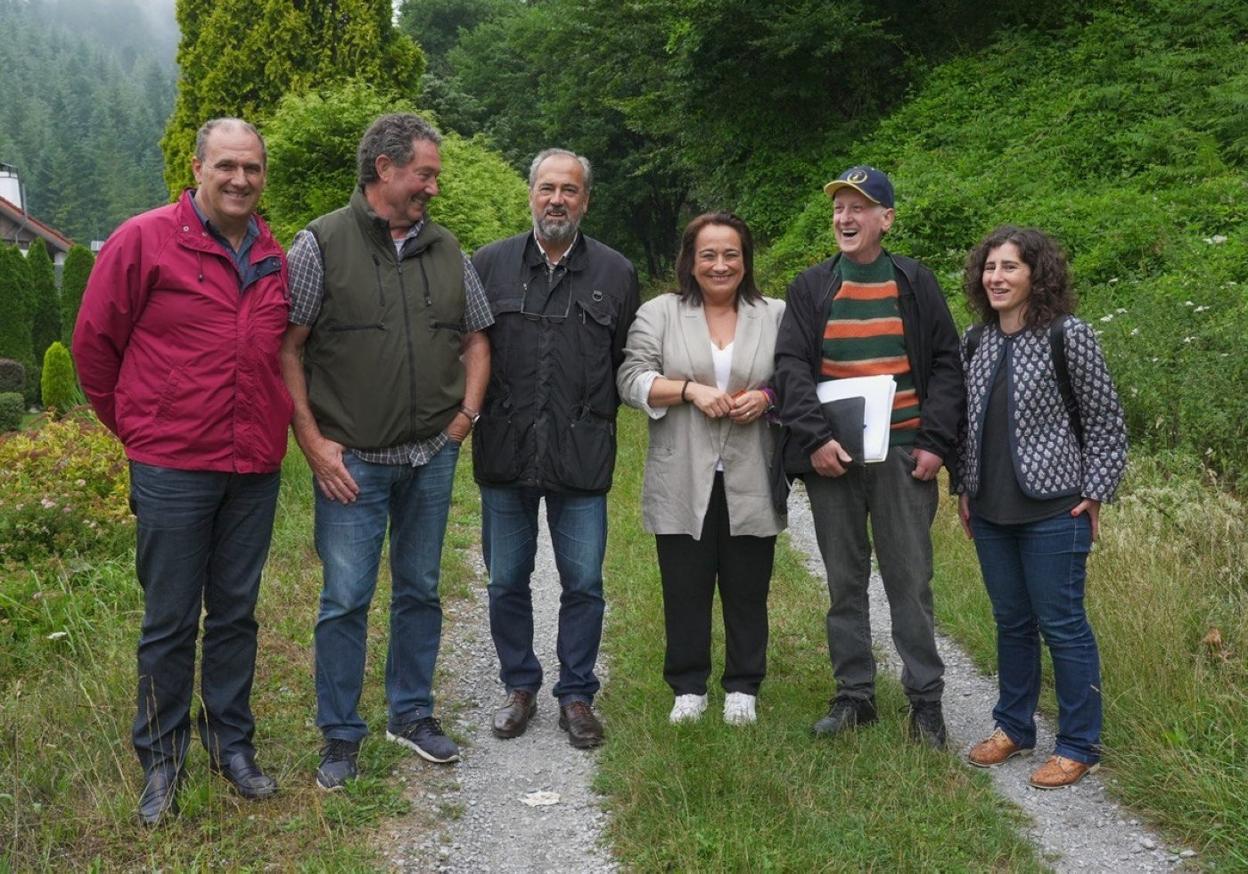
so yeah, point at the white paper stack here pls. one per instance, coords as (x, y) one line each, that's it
(878, 392)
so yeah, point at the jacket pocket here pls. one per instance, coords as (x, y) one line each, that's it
(586, 454)
(496, 449)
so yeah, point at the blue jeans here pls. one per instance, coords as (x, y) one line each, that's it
(578, 532)
(202, 540)
(414, 503)
(1035, 576)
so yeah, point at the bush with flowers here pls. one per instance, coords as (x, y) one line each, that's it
(64, 489)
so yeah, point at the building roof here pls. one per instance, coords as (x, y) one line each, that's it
(50, 235)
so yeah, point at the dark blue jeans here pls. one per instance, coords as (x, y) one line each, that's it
(413, 502)
(1035, 576)
(578, 531)
(202, 540)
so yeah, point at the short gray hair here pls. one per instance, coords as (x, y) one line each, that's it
(392, 135)
(206, 129)
(553, 153)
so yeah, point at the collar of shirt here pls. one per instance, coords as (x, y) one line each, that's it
(240, 254)
(412, 233)
(562, 258)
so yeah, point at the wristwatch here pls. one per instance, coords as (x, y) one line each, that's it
(472, 415)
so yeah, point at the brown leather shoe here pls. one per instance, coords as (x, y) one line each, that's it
(995, 749)
(1059, 772)
(583, 728)
(513, 717)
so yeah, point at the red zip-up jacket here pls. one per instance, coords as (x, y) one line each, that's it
(178, 360)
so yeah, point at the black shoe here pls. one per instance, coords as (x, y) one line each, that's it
(242, 772)
(927, 724)
(159, 798)
(845, 714)
(338, 763)
(583, 728)
(426, 737)
(513, 717)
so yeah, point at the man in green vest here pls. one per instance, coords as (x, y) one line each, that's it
(387, 364)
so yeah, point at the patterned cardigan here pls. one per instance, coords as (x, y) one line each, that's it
(1047, 456)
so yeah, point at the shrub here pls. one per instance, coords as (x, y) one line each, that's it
(63, 491)
(12, 406)
(12, 376)
(58, 385)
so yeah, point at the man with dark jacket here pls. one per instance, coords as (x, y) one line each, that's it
(868, 312)
(386, 363)
(562, 306)
(176, 345)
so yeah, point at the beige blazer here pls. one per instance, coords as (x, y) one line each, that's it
(670, 339)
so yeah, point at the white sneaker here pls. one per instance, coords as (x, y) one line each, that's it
(687, 708)
(739, 709)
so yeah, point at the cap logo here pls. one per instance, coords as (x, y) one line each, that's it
(857, 177)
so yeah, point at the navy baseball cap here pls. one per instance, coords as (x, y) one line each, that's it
(871, 183)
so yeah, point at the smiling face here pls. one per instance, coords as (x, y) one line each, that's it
(230, 177)
(403, 192)
(1007, 282)
(558, 200)
(718, 263)
(859, 225)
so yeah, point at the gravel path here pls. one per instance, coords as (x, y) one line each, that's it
(1076, 829)
(485, 823)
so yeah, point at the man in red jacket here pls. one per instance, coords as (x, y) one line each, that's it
(176, 346)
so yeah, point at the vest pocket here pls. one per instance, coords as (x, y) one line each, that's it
(585, 455)
(495, 449)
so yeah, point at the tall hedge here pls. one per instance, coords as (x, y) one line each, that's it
(15, 326)
(312, 142)
(74, 276)
(46, 316)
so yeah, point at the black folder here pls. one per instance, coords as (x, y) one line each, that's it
(848, 417)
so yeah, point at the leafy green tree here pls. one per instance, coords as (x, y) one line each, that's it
(312, 143)
(74, 275)
(46, 314)
(58, 385)
(240, 57)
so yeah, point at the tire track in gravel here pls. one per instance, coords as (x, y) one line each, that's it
(1077, 829)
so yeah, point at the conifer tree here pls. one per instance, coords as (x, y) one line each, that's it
(15, 327)
(58, 385)
(45, 325)
(74, 276)
(240, 57)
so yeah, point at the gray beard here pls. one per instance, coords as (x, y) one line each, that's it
(560, 231)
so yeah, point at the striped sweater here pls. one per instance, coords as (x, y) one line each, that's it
(864, 337)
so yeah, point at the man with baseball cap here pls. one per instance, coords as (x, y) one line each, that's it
(864, 312)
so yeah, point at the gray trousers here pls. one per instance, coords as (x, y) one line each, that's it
(900, 509)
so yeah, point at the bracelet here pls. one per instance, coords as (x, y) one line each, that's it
(683, 399)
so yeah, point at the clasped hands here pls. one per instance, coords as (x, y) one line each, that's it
(742, 407)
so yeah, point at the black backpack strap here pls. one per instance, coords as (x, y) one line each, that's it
(973, 335)
(1057, 341)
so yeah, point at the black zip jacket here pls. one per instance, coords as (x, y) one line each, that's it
(548, 419)
(931, 346)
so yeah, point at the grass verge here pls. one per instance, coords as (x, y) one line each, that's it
(69, 779)
(769, 797)
(1168, 598)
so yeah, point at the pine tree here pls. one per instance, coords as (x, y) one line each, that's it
(240, 57)
(58, 385)
(46, 316)
(15, 326)
(74, 276)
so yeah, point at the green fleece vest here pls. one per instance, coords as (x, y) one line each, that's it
(382, 361)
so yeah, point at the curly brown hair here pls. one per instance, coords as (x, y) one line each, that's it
(1051, 294)
(687, 286)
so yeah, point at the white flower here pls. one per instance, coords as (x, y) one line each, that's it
(1188, 303)
(1135, 331)
(1200, 309)
(1108, 317)
(1120, 310)
(58, 635)
(1188, 339)
(1113, 279)
(47, 503)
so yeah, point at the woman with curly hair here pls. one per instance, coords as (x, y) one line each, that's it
(1044, 445)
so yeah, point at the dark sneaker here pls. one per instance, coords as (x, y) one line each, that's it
(845, 714)
(927, 724)
(578, 720)
(426, 738)
(338, 763)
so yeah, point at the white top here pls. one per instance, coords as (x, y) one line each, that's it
(722, 359)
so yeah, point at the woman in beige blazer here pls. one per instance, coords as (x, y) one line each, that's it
(699, 362)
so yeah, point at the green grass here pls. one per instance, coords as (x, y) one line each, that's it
(69, 779)
(770, 797)
(1171, 565)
